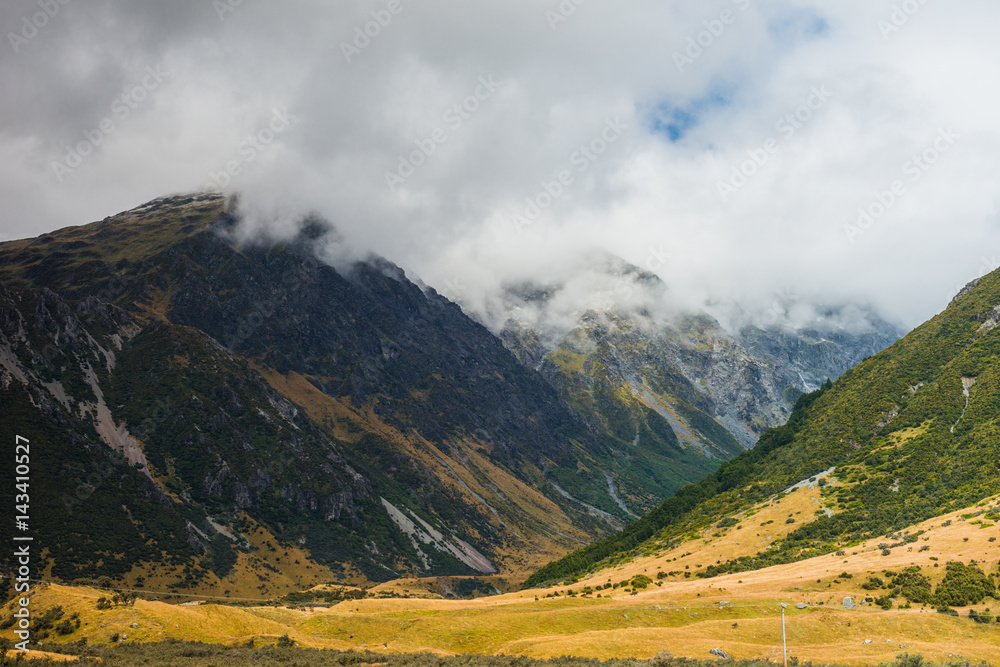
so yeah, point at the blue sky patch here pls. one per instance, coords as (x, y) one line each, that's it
(674, 122)
(795, 25)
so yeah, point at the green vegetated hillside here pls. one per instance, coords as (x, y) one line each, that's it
(911, 433)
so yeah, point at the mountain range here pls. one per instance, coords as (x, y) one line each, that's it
(226, 415)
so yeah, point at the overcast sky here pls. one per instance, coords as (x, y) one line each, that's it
(726, 145)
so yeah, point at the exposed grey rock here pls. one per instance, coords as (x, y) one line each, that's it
(751, 368)
(849, 603)
(719, 653)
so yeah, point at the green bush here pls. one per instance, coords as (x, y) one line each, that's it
(964, 585)
(913, 585)
(981, 617)
(909, 660)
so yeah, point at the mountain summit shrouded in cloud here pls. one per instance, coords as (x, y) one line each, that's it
(686, 137)
(231, 387)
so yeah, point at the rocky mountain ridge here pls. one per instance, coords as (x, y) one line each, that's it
(224, 415)
(746, 377)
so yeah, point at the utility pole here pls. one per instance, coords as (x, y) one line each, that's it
(784, 644)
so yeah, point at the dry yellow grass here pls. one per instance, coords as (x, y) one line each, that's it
(672, 618)
(685, 616)
(42, 655)
(284, 567)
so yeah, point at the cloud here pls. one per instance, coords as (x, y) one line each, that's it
(730, 176)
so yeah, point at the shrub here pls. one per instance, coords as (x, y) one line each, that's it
(909, 660)
(885, 602)
(980, 617)
(963, 585)
(913, 585)
(661, 659)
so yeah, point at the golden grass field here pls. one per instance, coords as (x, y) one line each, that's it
(683, 616)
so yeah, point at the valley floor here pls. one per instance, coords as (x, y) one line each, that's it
(738, 613)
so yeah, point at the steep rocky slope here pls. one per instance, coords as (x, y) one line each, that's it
(628, 341)
(238, 411)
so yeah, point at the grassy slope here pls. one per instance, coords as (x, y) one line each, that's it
(887, 427)
(683, 616)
